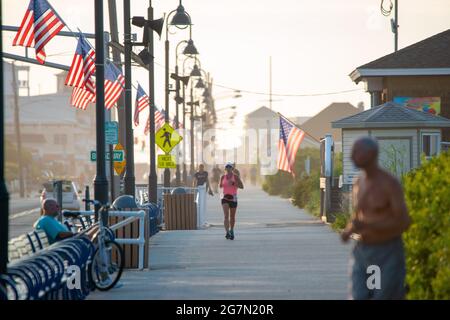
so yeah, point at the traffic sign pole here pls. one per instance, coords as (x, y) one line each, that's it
(111, 172)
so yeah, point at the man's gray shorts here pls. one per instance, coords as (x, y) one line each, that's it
(390, 259)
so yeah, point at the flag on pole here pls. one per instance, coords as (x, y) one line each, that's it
(174, 123)
(159, 121)
(142, 102)
(290, 139)
(114, 84)
(82, 67)
(39, 25)
(81, 98)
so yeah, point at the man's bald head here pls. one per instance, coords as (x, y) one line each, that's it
(50, 207)
(365, 152)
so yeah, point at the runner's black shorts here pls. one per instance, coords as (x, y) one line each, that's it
(232, 204)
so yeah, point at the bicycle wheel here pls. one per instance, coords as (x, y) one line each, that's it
(105, 274)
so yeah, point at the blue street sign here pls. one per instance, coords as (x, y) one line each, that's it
(112, 132)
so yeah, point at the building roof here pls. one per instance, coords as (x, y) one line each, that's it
(320, 125)
(262, 112)
(48, 109)
(299, 120)
(427, 57)
(392, 115)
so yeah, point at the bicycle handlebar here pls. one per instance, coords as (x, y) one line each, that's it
(94, 202)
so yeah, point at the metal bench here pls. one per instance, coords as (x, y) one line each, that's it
(27, 244)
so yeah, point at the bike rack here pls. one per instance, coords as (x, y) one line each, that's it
(131, 217)
(140, 241)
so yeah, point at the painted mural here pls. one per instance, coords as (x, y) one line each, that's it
(425, 104)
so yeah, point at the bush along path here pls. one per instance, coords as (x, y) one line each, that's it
(427, 242)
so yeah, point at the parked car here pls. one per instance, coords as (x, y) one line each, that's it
(70, 197)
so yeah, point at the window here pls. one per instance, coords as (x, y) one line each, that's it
(60, 139)
(430, 144)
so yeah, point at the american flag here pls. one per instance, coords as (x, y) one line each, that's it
(83, 66)
(39, 25)
(114, 84)
(142, 102)
(290, 139)
(174, 123)
(81, 98)
(159, 121)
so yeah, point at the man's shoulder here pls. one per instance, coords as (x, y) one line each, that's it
(42, 221)
(389, 178)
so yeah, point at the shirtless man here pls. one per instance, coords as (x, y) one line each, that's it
(380, 217)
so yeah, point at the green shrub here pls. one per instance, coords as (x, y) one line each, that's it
(427, 242)
(278, 184)
(301, 191)
(341, 221)
(313, 204)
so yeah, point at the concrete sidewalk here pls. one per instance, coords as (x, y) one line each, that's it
(280, 252)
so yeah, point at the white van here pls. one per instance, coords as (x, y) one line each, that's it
(70, 198)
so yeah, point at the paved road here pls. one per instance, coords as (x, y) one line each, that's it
(280, 252)
(22, 214)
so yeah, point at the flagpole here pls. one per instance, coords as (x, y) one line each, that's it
(298, 127)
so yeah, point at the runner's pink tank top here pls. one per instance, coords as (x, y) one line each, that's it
(229, 185)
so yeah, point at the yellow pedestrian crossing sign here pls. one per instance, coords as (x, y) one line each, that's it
(167, 138)
(166, 161)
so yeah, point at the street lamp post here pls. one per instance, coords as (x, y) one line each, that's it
(100, 181)
(147, 56)
(129, 178)
(152, 177)
(184, 140)
(180, 19)
(194, 73)
(4, 196)
(190, 50)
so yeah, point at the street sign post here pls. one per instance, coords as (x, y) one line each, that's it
(167, 138)
(112, 132)
(118, 156)
(166, 161)
(119, 166)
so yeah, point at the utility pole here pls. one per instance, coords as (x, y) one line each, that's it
(4, 196)
(129, 179)
(100, 182)
(270, 82)
(394, 22)
(396, 25)
(118, 62)
(17, 129)
(152, 177)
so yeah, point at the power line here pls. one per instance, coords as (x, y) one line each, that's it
(386, 12)
(279, 94)
(289, 94)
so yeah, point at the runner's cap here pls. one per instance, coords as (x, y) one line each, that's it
(228, 164)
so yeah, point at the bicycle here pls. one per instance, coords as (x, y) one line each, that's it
(108, 260)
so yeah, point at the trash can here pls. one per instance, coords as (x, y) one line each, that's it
(180, 211)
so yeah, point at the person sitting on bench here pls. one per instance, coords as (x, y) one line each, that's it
(54, 229)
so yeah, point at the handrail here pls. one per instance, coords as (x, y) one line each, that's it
(140, 241)
(132, 216)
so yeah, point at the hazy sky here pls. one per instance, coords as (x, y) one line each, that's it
(314, 44)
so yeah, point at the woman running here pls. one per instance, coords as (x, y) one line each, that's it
(230, 182)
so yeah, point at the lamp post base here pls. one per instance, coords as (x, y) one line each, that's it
(129, 182)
